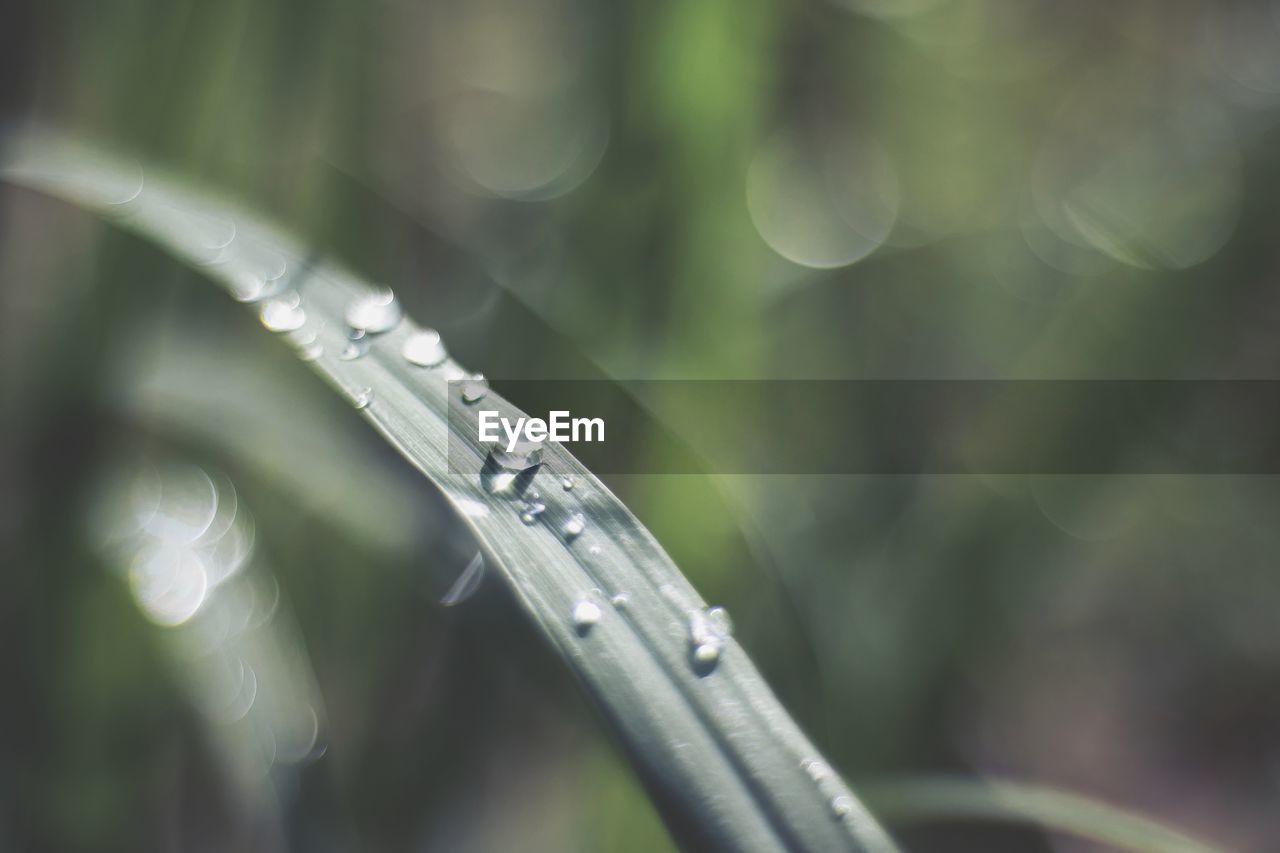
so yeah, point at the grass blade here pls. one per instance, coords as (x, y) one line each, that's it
(727, 767)
(939, 798)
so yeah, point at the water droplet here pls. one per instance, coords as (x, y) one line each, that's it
(841, 806)
(710, 626)
(475, 389)
(283, 315)
(595, 551)
(424, 348)
(523, 455)
(721, 624)
(573, 528)
(533, 512)
(375, 313)
(511, 472)
(354, 349)
(567, 482)
(467, 583)
(247, 287)
(816, 768)
(586, 614)
(620, 600)
(709, 631)
(311, 351)
(363, 398)
(706, 656)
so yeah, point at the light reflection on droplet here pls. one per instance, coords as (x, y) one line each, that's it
(709, 632)
(424, 348)
(475, 389)
(586, 615)
(283, 315)
(355, 348)
(374, 314)
(573, 528)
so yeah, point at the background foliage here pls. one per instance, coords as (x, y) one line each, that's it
(933, 188)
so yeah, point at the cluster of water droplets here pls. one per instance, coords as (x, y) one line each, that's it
(507, 474)
(185, 545)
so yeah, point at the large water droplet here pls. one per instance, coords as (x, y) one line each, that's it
(424, 348)
(467, 583)
(573, 528)
(511, 472)
(284, 314)
(375, 313)
(586, 614)
(475, 389)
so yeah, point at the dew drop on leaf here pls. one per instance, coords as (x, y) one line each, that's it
(376, 313)
(475, 389)
(841, 806)
(424, 348)
(283, 315)
(709, 630)
(511, 472)
(586, 614)
(573, 528)
(354, 349)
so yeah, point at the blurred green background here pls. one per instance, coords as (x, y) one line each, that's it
(752, 189)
